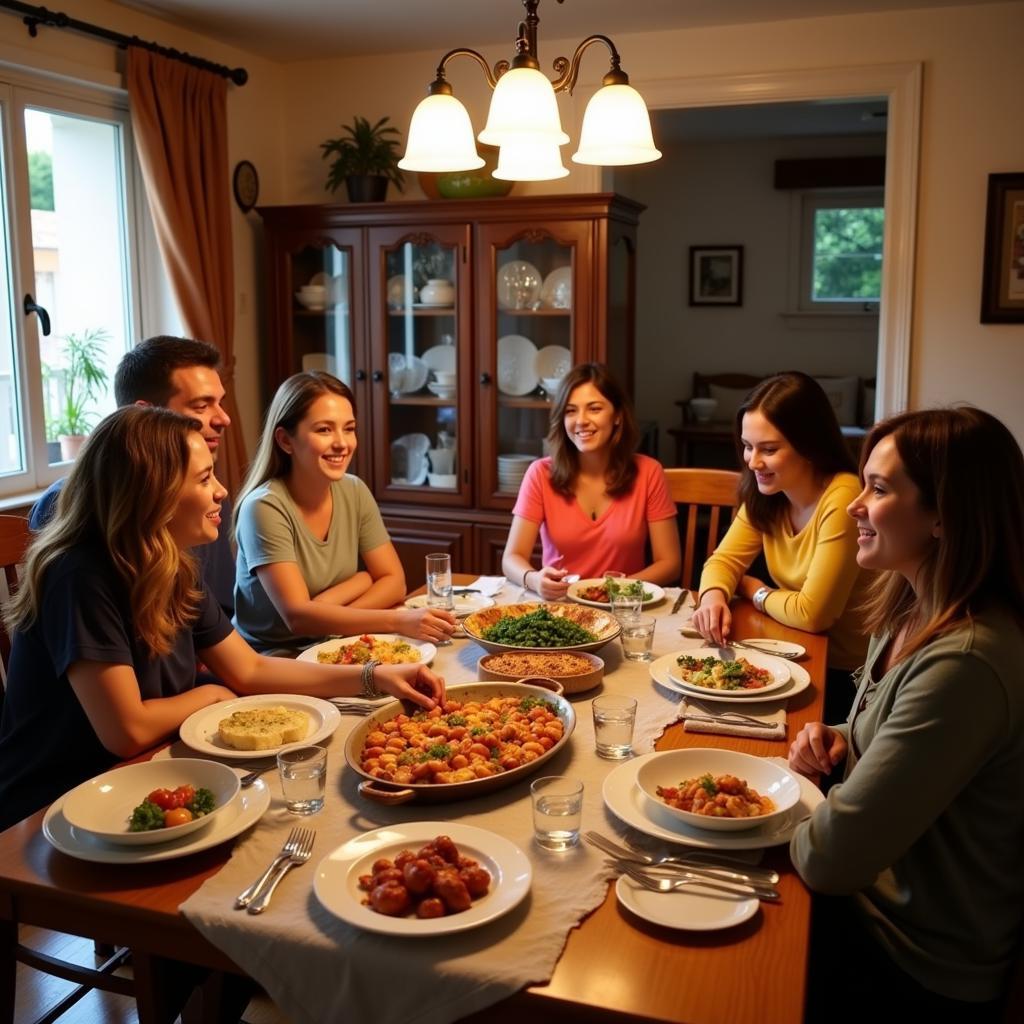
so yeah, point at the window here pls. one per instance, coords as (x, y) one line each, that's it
(68, 247)
(840, 257)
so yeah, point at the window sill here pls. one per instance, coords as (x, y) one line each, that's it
(804, 320)
(13, 502)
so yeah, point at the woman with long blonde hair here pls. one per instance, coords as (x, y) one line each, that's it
(111, 617)
(303, 525)
(925, 830)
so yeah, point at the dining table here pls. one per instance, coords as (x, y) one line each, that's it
(613, 965)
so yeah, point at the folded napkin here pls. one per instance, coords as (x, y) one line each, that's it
(487, 585)
(708, 719)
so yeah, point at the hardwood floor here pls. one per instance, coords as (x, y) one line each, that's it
(38, 992)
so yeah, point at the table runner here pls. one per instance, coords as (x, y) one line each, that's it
(318, 968)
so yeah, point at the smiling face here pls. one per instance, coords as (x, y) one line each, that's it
(196, 518)
(199, 393)
(324, 440)
(895, 530)
(777, 466)
(590, 419)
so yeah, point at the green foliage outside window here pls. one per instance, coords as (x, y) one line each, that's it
(40, 180)
(848, 254)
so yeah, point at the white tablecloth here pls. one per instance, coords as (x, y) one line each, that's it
(318, 968)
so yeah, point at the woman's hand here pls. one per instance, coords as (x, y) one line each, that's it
(216, 692)
(749, 586)
(410, 682)
(713, 619)
(817, 749)
(548, 582)
(433, 624)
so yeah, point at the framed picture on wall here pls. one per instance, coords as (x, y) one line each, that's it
(1002, 283)
(716, 275)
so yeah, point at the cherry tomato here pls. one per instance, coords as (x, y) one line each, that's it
(184, 795)
(163, 798)
(177, 816)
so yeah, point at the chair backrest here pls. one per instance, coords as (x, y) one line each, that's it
(703, 492)
(14, 537)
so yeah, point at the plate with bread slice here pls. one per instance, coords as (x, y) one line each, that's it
(259, 726)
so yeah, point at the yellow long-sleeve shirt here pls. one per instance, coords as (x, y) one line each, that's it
(820, 583)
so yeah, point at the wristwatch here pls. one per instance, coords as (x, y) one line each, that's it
(760, 596)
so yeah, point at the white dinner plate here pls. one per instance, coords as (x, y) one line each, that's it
(553, 361)
(577, 588)
(199, 730)
(427, 650)
(244, 811)
(627, 801)
(556, 291)
(799, 680)
(336, 882)
(517, 357)
(464, 604)
(776, 666)
(770, 646)
(440, 357)
(686, 909)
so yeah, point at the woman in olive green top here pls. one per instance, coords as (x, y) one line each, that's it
(926, 829)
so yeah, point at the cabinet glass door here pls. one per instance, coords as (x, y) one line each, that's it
(537, 315)
(419, 305)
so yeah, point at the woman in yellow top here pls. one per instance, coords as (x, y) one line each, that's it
(798, 480)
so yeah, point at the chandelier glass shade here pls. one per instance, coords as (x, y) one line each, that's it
(523, 116)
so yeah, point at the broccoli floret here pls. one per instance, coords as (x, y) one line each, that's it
(202, 803)
(146, 817)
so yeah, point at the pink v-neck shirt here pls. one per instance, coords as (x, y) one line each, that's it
(615, 540)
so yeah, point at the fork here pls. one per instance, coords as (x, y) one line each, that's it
(788, 654)
(683, 862)
(291, 844)
(298, 856)
(737, 716)
(664, 884)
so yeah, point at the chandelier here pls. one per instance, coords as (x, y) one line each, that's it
(523, 117)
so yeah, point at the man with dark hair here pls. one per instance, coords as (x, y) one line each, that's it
(179, 374)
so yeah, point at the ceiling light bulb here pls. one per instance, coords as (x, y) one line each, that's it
(523, 106)
(616, 129)
(530, 161)
(440, 137)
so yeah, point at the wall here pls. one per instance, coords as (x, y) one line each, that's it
(255, 118)
(971, 127)
(721, 193)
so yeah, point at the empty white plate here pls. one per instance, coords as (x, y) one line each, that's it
(517, 365)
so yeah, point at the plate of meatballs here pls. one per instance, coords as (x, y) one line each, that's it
(423, 878)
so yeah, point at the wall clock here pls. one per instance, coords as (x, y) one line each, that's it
(246, 185)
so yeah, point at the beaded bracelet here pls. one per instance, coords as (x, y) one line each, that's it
(370, 691)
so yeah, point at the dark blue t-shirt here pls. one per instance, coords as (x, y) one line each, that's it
(47, 744)
(216, 560)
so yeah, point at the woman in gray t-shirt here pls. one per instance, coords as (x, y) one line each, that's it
(303, 525)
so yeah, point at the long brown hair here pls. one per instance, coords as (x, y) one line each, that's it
(121, 495)
(565, 459)
(799, 409)
(970, 471)
(287, 409)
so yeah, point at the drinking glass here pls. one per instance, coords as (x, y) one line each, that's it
(303, 772)
(613, 726)
(638, 637)
(439, 585)
(557, 811)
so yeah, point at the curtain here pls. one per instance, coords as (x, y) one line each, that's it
(179, 119)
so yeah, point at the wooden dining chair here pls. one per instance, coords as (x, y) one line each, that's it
(705, 494)
(14, 537)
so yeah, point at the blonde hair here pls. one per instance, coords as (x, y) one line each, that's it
(121, 496)
(970, 471)
(287, 409)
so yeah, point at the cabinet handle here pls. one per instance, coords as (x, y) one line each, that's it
(485, 378)
(360, 375)
(378, 375)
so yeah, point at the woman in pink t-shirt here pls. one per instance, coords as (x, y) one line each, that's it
(595, 501)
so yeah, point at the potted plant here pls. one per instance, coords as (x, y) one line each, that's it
(85, 379)
(366, 159)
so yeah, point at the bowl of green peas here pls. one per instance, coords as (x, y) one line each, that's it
(552, 626)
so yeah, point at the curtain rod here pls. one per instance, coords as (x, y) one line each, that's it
(36, 16)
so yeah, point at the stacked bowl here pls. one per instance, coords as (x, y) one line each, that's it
(511, 470)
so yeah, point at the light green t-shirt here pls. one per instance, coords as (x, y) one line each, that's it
(271, 529)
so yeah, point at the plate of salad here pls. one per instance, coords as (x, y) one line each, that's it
(598, 592)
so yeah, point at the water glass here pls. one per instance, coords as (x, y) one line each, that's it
(626, 607)
(439, 585)
(303, 772)
(638, 637)
(613, 726)
(557, 811)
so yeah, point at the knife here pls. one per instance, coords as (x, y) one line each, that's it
(680, 600)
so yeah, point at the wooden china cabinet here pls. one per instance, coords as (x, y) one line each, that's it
(446, 318)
